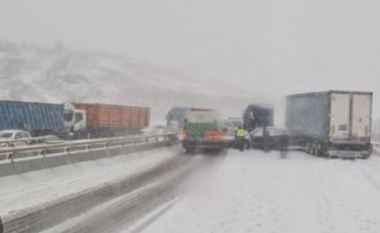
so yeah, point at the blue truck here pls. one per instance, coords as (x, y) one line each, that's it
(176, 117)
(257, 116)
(36, 118)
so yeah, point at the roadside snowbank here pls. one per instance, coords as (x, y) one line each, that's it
(26, 191)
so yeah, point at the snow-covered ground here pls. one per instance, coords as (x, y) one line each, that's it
(256, 192)
(29, 73)
(25, 192)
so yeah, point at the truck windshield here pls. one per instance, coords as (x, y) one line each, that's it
(68, 116)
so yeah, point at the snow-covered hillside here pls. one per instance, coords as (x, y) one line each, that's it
(29, 73)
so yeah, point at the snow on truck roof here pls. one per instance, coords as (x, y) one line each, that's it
(202, 116)
(329, 92)
(201, 109)
(24, 102)
(77, 104)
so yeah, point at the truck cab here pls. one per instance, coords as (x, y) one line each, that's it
(75, 120)
(175, 118)
(257, 116)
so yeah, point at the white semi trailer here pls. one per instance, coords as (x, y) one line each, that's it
(334, 123)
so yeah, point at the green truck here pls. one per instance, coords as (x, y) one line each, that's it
(333, 123)
(203, 129)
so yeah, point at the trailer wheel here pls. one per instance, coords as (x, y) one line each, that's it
(366, 156)
(317, 149)
(324, 152)
(308, 148)
(190, 150)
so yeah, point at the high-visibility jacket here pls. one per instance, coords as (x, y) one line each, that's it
(241, 133)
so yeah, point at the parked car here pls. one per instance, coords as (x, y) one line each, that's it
(275, 135)
(17, 138)
(14, 135)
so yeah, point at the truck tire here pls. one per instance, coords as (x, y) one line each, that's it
(317, 149)
(309, 148)
(324, 152)
(366, 156)
(190, 150)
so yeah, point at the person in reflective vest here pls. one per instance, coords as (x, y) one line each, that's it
(240, 138)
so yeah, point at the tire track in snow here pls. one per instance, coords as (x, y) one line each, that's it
(363, 168)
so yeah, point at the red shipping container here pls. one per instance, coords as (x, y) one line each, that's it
(115, 116)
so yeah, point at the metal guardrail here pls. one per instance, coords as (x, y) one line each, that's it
(27, 141)
(105, 143)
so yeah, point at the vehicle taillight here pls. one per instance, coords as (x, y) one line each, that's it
(214, 136)
(185, 134)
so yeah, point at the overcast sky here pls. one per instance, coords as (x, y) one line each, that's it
(274, 46)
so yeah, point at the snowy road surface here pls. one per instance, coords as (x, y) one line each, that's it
(35, 189)
(252, 192)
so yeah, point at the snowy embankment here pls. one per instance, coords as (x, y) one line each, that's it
(34, 190)
(256, 192)
(29, 73)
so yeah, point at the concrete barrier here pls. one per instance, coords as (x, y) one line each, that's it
(41, 217)
(1, 226)
(50, 161)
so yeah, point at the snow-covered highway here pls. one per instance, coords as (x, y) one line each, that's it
(166, 191)
(64, 192)
(257, 192)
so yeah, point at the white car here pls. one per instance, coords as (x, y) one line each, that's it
(14, 134)
(11, 135)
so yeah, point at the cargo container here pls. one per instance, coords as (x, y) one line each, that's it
(104, 120)
(203, 129)
(257, 116)
(334, 123)
(37, 118)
